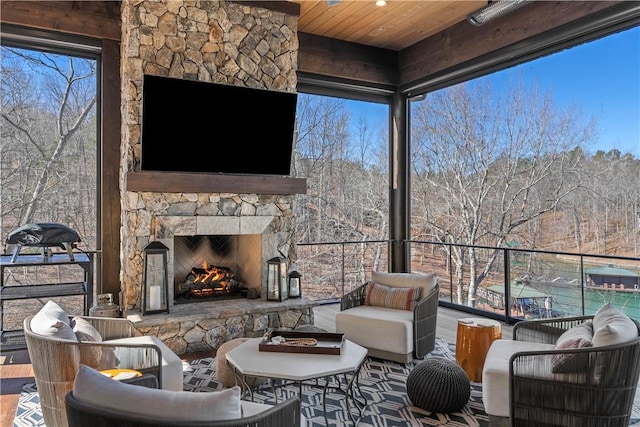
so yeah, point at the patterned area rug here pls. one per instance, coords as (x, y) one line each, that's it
(382, 382)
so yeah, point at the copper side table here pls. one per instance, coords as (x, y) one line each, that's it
(474, 336)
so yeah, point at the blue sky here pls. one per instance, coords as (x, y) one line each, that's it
(601, 77)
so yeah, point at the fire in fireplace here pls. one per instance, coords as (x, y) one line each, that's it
(209, 282)
(226, 266)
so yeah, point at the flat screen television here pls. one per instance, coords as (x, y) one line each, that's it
(194, 126)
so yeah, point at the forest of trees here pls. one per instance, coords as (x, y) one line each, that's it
(487, 168)
(49, 147)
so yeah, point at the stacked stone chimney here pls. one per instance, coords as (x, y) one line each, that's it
(211, 41)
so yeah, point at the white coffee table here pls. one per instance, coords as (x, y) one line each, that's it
(248, 361)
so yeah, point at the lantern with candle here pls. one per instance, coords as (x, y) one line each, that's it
(295, 289)
(277, 285)
(155, 289)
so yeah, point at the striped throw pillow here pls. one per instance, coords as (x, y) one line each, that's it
(392, 297)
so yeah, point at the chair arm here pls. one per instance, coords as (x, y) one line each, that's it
(80, 414)
(286, 413)
(146, 358)
(112, 328)
(425, 315)
(354, 298)
(546, 330)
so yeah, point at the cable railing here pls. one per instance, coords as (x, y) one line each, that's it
(504, 283)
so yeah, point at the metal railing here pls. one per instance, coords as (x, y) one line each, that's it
(509, 283)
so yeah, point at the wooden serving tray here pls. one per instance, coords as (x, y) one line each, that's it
(328, 343)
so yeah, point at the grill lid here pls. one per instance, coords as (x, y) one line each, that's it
(43, 235)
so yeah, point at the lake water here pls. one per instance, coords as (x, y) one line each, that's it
(568, 300)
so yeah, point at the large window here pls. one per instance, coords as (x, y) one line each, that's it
(49, 140)
(49, 147)
(342, 150)
(544, 155)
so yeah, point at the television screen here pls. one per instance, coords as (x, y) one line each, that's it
(193, 126)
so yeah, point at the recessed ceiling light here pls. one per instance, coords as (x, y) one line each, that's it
(381, 3)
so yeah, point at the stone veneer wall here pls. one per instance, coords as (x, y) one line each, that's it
(213, 41)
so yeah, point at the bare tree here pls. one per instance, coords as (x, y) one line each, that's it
(487, 164)
(345, 163)
(48, 109)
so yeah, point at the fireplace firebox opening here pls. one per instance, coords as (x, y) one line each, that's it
(215, 267)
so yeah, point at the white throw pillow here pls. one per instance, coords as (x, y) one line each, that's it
(93, 388)
(611, 326)
(52, 321)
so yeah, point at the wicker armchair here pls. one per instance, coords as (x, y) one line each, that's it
(55, 361)
(422, 322)
(600, 396)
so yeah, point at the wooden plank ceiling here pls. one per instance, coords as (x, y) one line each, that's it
(395, 26)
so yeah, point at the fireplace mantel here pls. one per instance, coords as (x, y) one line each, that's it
(179, 182)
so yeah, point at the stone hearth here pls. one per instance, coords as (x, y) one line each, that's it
(207, 325)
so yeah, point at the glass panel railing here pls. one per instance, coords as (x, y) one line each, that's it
(330, 270)
(509, 283)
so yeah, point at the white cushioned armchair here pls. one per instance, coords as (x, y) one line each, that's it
(388, 318)
(578, 371)
(98, 401)
(56, 353)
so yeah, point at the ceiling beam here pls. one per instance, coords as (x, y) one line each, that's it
(464, 42)
(97, 19)
(352, 61)
(277, 6)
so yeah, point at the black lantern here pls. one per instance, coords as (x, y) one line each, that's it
(295, 288)
(155, 289)
(277, 285)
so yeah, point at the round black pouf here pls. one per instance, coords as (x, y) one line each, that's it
(438, 385)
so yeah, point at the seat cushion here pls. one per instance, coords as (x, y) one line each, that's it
(93, 388)
(393, 328)
(171, 363)
(495, 373)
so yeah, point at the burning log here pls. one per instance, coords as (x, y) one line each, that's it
(208, 281)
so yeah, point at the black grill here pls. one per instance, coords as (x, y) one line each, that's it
(43, 235)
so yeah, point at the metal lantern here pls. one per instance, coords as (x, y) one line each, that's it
(295, 288)
(277, 284)
(155, 288)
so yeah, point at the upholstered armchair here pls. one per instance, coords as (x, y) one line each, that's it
(385, 316)
(571, 372)
(97, 401)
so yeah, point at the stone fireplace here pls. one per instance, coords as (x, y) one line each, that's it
(211, 41)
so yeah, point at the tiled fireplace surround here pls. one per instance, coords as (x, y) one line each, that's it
(225, 43)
